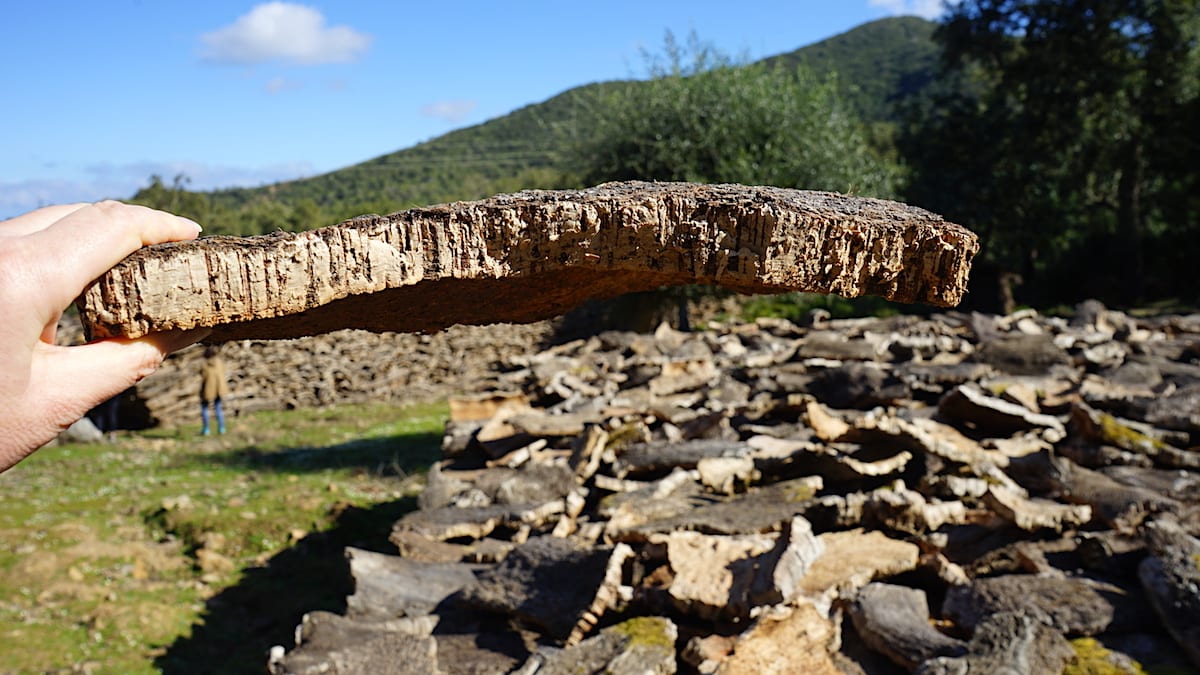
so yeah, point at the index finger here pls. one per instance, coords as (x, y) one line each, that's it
(35, 221)
(87, 242)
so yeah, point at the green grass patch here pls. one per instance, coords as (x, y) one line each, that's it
(795, 306)
(170, 552)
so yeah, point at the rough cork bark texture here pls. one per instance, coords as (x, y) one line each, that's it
(529, 256)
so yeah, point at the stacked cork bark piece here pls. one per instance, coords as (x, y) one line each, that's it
(942, 494)
(528, 256)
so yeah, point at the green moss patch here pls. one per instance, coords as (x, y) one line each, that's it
(646, 631)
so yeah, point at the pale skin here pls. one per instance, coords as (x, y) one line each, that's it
(47, 258)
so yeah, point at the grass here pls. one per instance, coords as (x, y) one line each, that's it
(170, 552)
(796, 306)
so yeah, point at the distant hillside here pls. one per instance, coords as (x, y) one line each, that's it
(878, 64)
(523, 148)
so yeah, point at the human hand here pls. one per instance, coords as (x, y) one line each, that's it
(47, 258)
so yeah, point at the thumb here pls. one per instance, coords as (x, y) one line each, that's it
(65, 382)
(69, 381)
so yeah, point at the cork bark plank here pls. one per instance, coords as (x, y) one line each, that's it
(529, 256)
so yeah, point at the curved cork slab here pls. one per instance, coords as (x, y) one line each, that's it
(529, 256)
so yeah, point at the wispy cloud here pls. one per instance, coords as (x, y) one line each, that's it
(928, 9)
(202, 176)
(121, 181)
(17, 197)
(282, 31)
(451, 111)
(278, 85)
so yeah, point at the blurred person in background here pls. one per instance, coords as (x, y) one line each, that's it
(214, 386)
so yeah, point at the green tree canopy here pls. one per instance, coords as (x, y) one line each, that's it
(1061, 132)
(703, 118)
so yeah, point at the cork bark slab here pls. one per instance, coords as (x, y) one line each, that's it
(530, 256)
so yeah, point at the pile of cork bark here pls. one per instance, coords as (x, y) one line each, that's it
(343, 367)
(958, 493)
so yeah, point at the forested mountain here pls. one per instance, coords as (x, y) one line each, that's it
(876, 64)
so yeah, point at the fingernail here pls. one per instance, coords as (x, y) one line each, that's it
(191, 222)
(198, 335)
(174, 340)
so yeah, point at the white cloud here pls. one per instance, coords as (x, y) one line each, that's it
(451, 111)
(280, 84)
(928, 9)
(282, 31)
(121, 181)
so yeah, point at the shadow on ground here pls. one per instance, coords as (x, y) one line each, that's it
(386, 456)
(241, 623)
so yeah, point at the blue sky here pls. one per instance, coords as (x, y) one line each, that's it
(100, 95)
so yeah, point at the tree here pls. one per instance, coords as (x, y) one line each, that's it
(1061, 132)
(177, 199)
(702, 117)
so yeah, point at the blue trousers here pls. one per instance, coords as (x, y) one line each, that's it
(217, 411)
